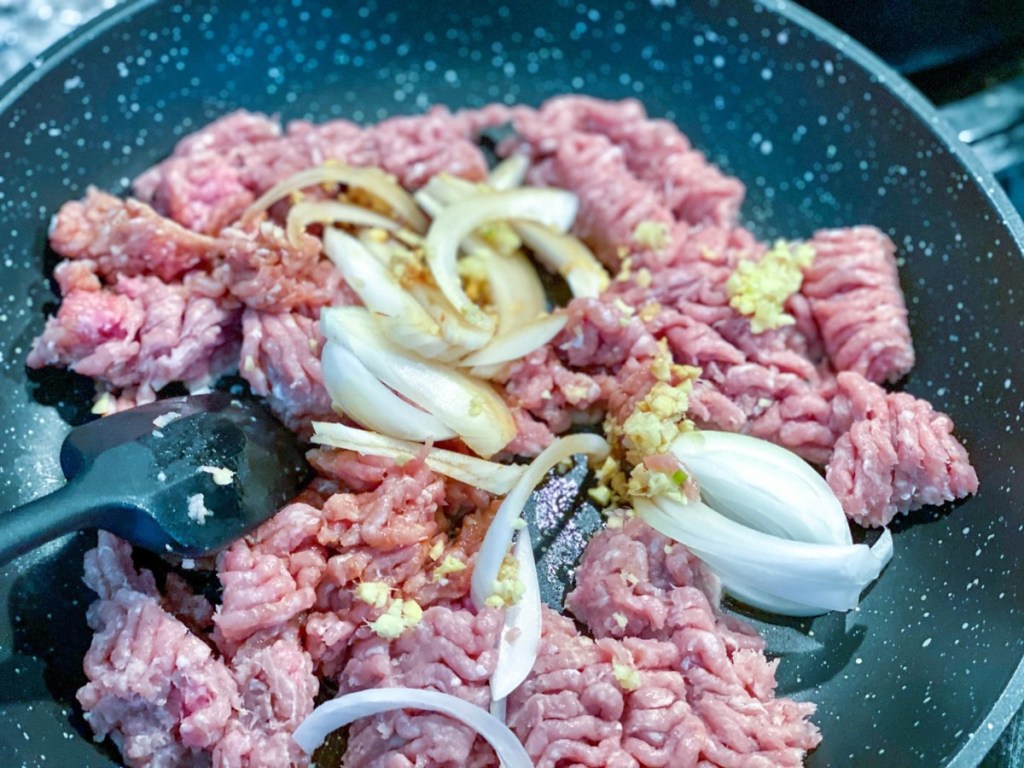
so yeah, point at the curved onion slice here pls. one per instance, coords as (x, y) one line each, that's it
(467, 405)
(520, 637)
(566, 256)
(372, 180)
(552, 207)
(762, 485)
(301, 215)
(458, 334)
(489, 475)
(518, 343)
(382, 294)
(499, 534)
(509, 173)
(818, 577)
(361, 396)
(339, 712)
(516, 291)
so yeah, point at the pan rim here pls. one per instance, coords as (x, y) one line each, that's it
(1009, 702)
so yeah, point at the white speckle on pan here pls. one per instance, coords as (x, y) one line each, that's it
(927, 642)
(221, 475)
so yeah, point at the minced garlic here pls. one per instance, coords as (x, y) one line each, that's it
(627, 677)
(652, 234)
(400, 616)
(450, 564)
(508, 588)
(760, 289)
(374, 593)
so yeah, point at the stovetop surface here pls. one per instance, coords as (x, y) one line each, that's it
(982, 96)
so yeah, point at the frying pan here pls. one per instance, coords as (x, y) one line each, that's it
(928, 671)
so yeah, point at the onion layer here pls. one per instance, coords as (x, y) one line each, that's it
(339, 712)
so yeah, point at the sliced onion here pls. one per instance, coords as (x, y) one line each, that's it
(301, 215)
(518, 343)
(762, 485)
(516, 656)
(501, 530)
(488, 475)
(361, 396)
(467, 405)
(382, 294)
(517, 294)
(372, 180)
(818, 577)
(339, 712)
(509, 173)
(567, 256)
(456, 332)
(552, 207)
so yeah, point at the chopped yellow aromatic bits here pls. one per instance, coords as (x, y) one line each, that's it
(375, 593)
(759, 289)
(450, 564)
(627, 677)
(651, 234)
(400, 616)
(508, 588)
(436, 549)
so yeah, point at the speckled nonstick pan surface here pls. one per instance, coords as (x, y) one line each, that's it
(928, 670)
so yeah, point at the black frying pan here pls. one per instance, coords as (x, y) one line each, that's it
(928, 671)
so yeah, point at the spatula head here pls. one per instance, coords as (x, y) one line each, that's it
(187, 475)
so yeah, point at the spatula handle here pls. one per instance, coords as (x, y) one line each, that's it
(41, 520)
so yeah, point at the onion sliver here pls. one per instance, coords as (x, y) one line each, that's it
(339, 712)
(516, 656)
(762, 485)
(303, 214)
(361, 396)
(518, 343)
(382, 294)
(820, 577)
(469, 406)
(499, 534)
(488, 475)
(372, 180)
(509, 173)
(566, 256)
(517, 294)
(456, 332)
(551, 207)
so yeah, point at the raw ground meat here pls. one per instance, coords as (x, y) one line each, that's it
(175, 286)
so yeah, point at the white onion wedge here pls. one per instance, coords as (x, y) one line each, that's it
(509, 173)
(488, 475)
(301, 215)
(517, 294)
(361, 396)
(469, 406)
(551, 207)
(518, 343)
(339, 712)
(501, 530)
(520, 637)
(762, 485)
(383, 295)
(372, 180)
(785, 573)
(457, 333)
(565, 255)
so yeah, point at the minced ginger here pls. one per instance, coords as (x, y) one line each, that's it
(760, 289)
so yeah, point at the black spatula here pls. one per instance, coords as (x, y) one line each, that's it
(184, 475)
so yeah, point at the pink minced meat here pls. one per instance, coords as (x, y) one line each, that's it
(640, 588)
(855, 295)
(898, 454)
(453, 651)
(142, 333)
(214, 175)
(655, 151)
(162, 694)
